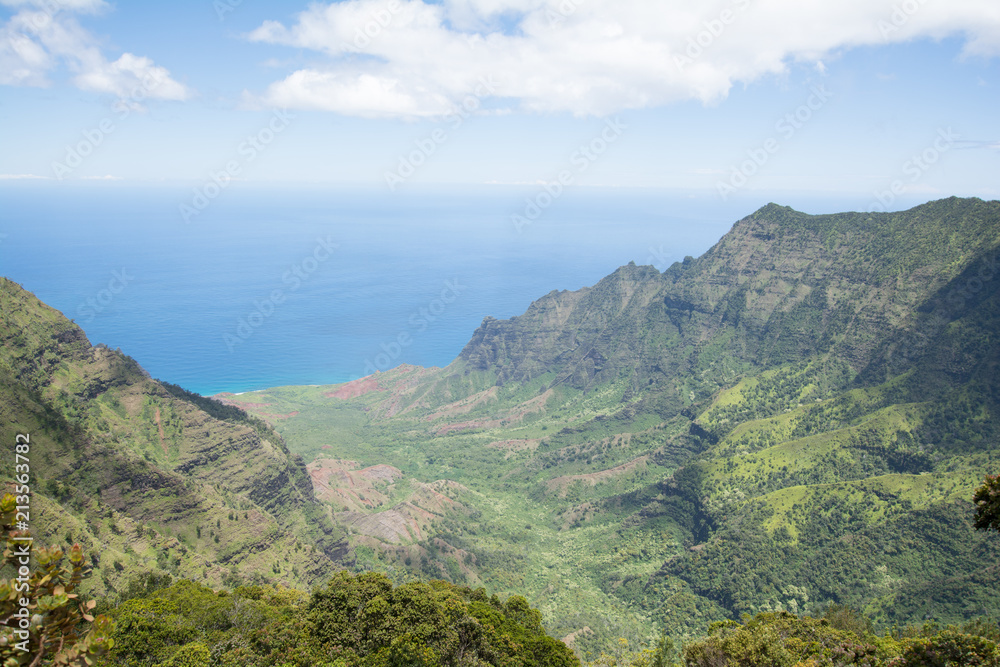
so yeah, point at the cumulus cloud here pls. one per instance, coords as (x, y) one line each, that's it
(589, 57)
(44, 34)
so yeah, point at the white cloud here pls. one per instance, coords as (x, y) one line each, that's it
(589, 57)
(43, 34)
(131, 77)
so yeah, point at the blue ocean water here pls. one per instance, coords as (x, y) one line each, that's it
(277, 286)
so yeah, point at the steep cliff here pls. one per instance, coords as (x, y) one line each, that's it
(143, 478)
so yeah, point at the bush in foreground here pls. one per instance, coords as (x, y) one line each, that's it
(356, 621)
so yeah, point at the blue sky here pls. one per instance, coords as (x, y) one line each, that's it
(870, 102)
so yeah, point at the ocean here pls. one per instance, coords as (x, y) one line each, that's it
(288, 285)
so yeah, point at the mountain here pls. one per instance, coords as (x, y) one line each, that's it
(145, 476)
(796, 418)
(781, 286)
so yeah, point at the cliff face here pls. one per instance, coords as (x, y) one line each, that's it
(779, 287)
(717, 439)
(572, 333)
(113, 448)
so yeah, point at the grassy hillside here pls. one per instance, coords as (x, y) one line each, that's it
(798, 417)
(144, 478)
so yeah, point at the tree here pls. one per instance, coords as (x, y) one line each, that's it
(365, 620)
(41, 615)
(190, 655)
(987, 501)
(950, 647)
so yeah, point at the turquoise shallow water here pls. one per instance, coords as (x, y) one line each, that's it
(308, 286)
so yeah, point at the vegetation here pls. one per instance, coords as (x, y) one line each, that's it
(43, 616)
(355, 620)
(780, 639)
(363, 620)
(796, 421)
(987, 501)
(142, 477)
(751, 431)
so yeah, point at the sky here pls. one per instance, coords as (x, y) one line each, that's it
(870, 102)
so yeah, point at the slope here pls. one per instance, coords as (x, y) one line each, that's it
(795, 418)
(143, 478)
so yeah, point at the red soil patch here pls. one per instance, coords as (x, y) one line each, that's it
(356, 388)
(594, 478)
(516, 414)
(463, 406)
(336, 479)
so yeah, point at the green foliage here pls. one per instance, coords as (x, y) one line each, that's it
(755, 429)
(43, 616)
(797, 418)
(987, 501)
(949, 648)
(366, 618)
(405, 651)
(779, 639)
(357, 620)
(842, 617)
(225, 411)
(190, 655)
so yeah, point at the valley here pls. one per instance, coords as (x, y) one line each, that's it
(798, 418)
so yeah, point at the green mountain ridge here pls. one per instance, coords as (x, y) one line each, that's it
(796, 418)
(796, 285)
(143, 478)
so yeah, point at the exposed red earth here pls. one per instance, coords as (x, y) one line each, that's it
(356, 388)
